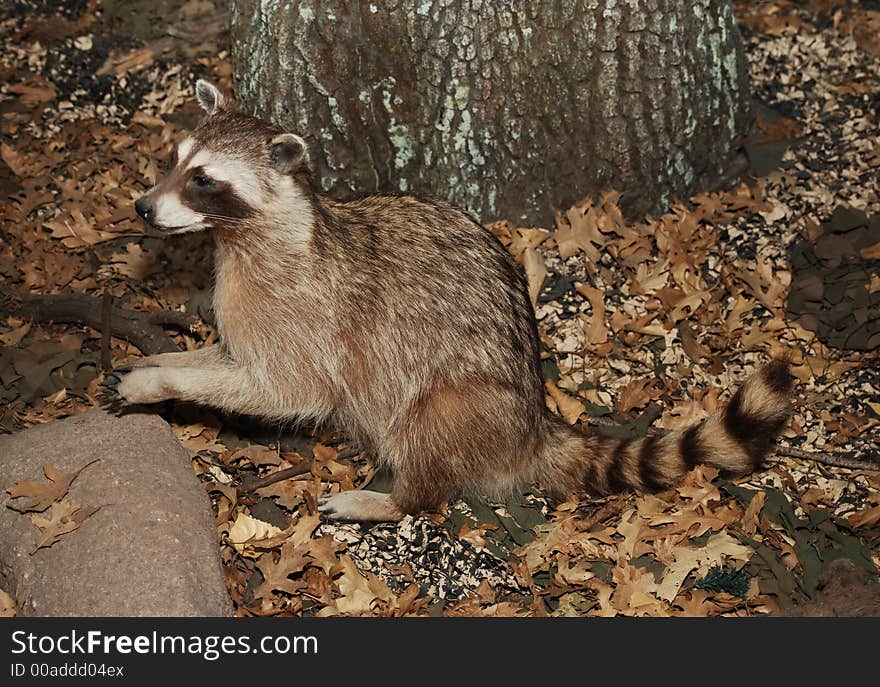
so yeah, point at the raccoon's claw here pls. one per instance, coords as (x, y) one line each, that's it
(325, 508)
(110, 398)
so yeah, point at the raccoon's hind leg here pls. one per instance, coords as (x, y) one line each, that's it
(450, 440)
(420, 483)
(415, 490)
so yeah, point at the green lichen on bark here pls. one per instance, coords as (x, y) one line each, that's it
(507, 109)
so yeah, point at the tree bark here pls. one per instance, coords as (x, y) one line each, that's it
(508, 109)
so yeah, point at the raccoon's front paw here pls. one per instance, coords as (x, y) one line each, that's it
(127, 386)
(364, 506)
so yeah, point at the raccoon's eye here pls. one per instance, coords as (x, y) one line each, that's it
(202, 181)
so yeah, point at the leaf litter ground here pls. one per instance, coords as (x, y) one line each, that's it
(645, 326)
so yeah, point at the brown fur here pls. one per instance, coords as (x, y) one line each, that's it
(409, 325)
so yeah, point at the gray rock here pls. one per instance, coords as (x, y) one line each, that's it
(152, 548)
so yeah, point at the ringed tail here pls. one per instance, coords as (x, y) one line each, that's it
(735, 438)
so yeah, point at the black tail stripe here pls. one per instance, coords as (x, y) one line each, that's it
(592, 473)
(651, 477)
(590, 478)
(692, 451)
(777, 377)
(616, 478)
(755, 434)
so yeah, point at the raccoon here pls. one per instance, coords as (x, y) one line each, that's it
(403, 321)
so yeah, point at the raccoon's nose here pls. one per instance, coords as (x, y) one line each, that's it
(144, 208)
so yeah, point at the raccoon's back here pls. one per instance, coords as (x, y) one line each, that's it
(434, 289)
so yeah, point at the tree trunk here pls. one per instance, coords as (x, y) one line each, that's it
(508, 109)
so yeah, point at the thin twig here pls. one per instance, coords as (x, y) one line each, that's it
(828, 458)
(250, 485)
(348, 453)
(602, 422)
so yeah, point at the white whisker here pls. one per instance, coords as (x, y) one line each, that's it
(208, 215)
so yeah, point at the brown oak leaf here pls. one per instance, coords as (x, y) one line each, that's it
(38, 496)
(64, 517)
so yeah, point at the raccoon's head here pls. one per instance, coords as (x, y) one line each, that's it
(230, 170)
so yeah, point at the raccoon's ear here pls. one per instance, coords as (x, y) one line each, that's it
(209, 96)
(287, 153)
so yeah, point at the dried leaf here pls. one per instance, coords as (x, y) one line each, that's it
(692, 348)
(38, 496)
(718, 548)
(741, 307)
(637, 394)
(635, 592)
(536, 273)
(648, 280)
(596, 330)
(579, 231)
(14, 337)
(24, 165)
(248, 530)
(750, 519)
(865, 517)
(8, 607)
(32, 96)
(689, 305)
(292, 559)
(64, 517)
(569, 407)
(76, 232)
(135, 263)
(765, 284)
(357, 593)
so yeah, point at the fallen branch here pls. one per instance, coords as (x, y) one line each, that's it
(143, 329)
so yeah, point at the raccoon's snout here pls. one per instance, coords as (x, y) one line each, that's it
(145, 209)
